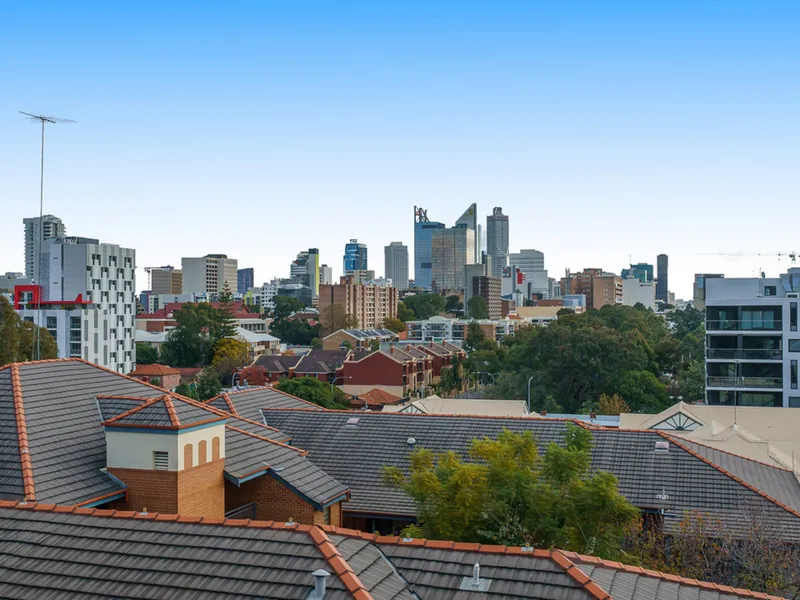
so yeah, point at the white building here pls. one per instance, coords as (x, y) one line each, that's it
(51, 228)
(531, 263)
(635, 292)
(103, 276)
(209, 274)
(396, 264)
(325, 275)
(752, 341)
(448, 329)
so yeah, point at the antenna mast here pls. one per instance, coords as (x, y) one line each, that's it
(40, 238)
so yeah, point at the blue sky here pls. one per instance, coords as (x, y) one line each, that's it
(604, 129)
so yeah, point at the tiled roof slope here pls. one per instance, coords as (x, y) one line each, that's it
(66, 453)
(249, 402)
(166, 411)
(11, 487)
(321, 361)
(644, 475)
(55, 551)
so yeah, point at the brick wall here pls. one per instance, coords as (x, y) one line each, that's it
(155, 490)
(274, 502)
(201, 490)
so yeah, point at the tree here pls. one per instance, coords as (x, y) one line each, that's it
(190, 343)
(335, 317)
(226, 322)
(692, 381)
(642, 391)
(17, 337)
(229, 355)
(394, 325)
(477, 308)
(316, 344)
(424, 306)
(450, 379)
(612, 405)
(453, 304)
(686, 321)
(404, 313)
(476, 337)
(284, 306)
(313, 390)
(184, 389)
(298, 332)
(208, 384)
(146, 354)
(509, 494)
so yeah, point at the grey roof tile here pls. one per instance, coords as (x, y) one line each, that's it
(10, 462)
(249, 402)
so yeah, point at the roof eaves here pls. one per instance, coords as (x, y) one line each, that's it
(738, 480)
(339, 565)
(22, 435)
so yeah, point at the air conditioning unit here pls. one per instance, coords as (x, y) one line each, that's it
(793, 295)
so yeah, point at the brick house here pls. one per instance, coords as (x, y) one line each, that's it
(441, 358)
(357, 339)
(160, 375)
(268, 369)
(392, 371)
(325, 365)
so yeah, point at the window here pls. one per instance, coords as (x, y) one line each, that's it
(327, 514)
(52, 322)
(74, 322)
(794, 374)
(215, 446)
(75, 335)
(202, 453)
(794, 402)
(188, 457)
(770, 290)
(793, 315)
(160, 460)
(75, 350)
(794, 345)
(28, 319)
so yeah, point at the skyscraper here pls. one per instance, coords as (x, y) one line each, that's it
(531, 263)
(423, 235)
(52, 227)
(641, 271)
(355, 257)
(165, 280)
(452, 249)
(470, 220)
(325, 275)
(245, 279)
(396, 263)
(662, 282)
(209, 274)
(305, 270)
(497, 240)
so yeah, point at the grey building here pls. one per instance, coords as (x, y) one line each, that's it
(452, 249)
(36, 237)
(531, 263)
(396, 264)
(497, 240)
(662, 281)
(245, 279)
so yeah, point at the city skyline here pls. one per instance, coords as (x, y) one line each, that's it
(631, 116)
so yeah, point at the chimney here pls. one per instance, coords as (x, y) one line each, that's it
(391, 348)
(592, 415)
(543, 413)
(320, 575)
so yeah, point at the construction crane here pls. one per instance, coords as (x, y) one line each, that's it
(790, 255)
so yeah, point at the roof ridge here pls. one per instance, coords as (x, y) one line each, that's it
(130, 411)
(28, 488)
(738, 480)
(574, 571)
(300, 451)
(610, 564)
(337, 562)
(222, 413)
(173, 416)
(728, 452)
(268, 387)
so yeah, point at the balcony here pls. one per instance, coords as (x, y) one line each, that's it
(734, 354)
(747, 325)
(745, 382)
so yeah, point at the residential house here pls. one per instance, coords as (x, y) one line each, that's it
(161, 375)
(163, 319)
(357, 339)
(325, 365)
(268, 369)
(374, 399)
(434, 405)
(392, 371)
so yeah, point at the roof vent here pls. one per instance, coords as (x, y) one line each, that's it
(320, 575)
(662, 447)
(352, 421)
(411, 441)
(475, 583)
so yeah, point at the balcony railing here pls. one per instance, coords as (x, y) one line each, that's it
(744, 354)
(731, 325)
(745, 382)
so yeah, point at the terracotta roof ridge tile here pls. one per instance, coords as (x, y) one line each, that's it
(173, 416)
(728, 452)
(299, 451)
(339, 565)
(29, 490)
(574, 571)
(738, 480)
(609, 564)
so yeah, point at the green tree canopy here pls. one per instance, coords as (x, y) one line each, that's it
(283, 307)
(394, 325)
(477, 308)
(226, 323)
(313, 390)
(425, 306)
(208, 384)
(146, 354)
(453, 304)
(18, 337)
(404, 313)
(509, 494)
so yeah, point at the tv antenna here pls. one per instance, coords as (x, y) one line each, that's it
(44, 120)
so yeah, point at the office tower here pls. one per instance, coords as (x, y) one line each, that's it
(423, 239)
(662, 283)
(396, 264)
(531, 263)
(245, 279)
(165, 280)
(635, 291)
(209, 274)
(325, 275)
(470, 220)
(452, 249)
(497, 240)
(370, 305)
(472, 272)
(488, 288)
(355, 257)
(752, 347)
(641, 271)
(89, 289)
(599, 287)
(51, 228)
(305, 270)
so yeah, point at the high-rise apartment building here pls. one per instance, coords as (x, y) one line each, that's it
(452, 249)
(423, 247)
(37, 234)
(325, 275)
(599, 287)
(488, 288)
(88, 300)
(165, 280)
(355, 257)
(370, 305)
(245, 279)
(209, 274)
(752, 340)
(641, 271)
(497, 240)
(396, 264)
(662, 283)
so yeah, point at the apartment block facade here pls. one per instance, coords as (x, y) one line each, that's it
(370, 305)
(752, 341)
(599, 287)
(165, 280)
(488, 288)
(209, 274)
(38, 232)
(396, 264)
